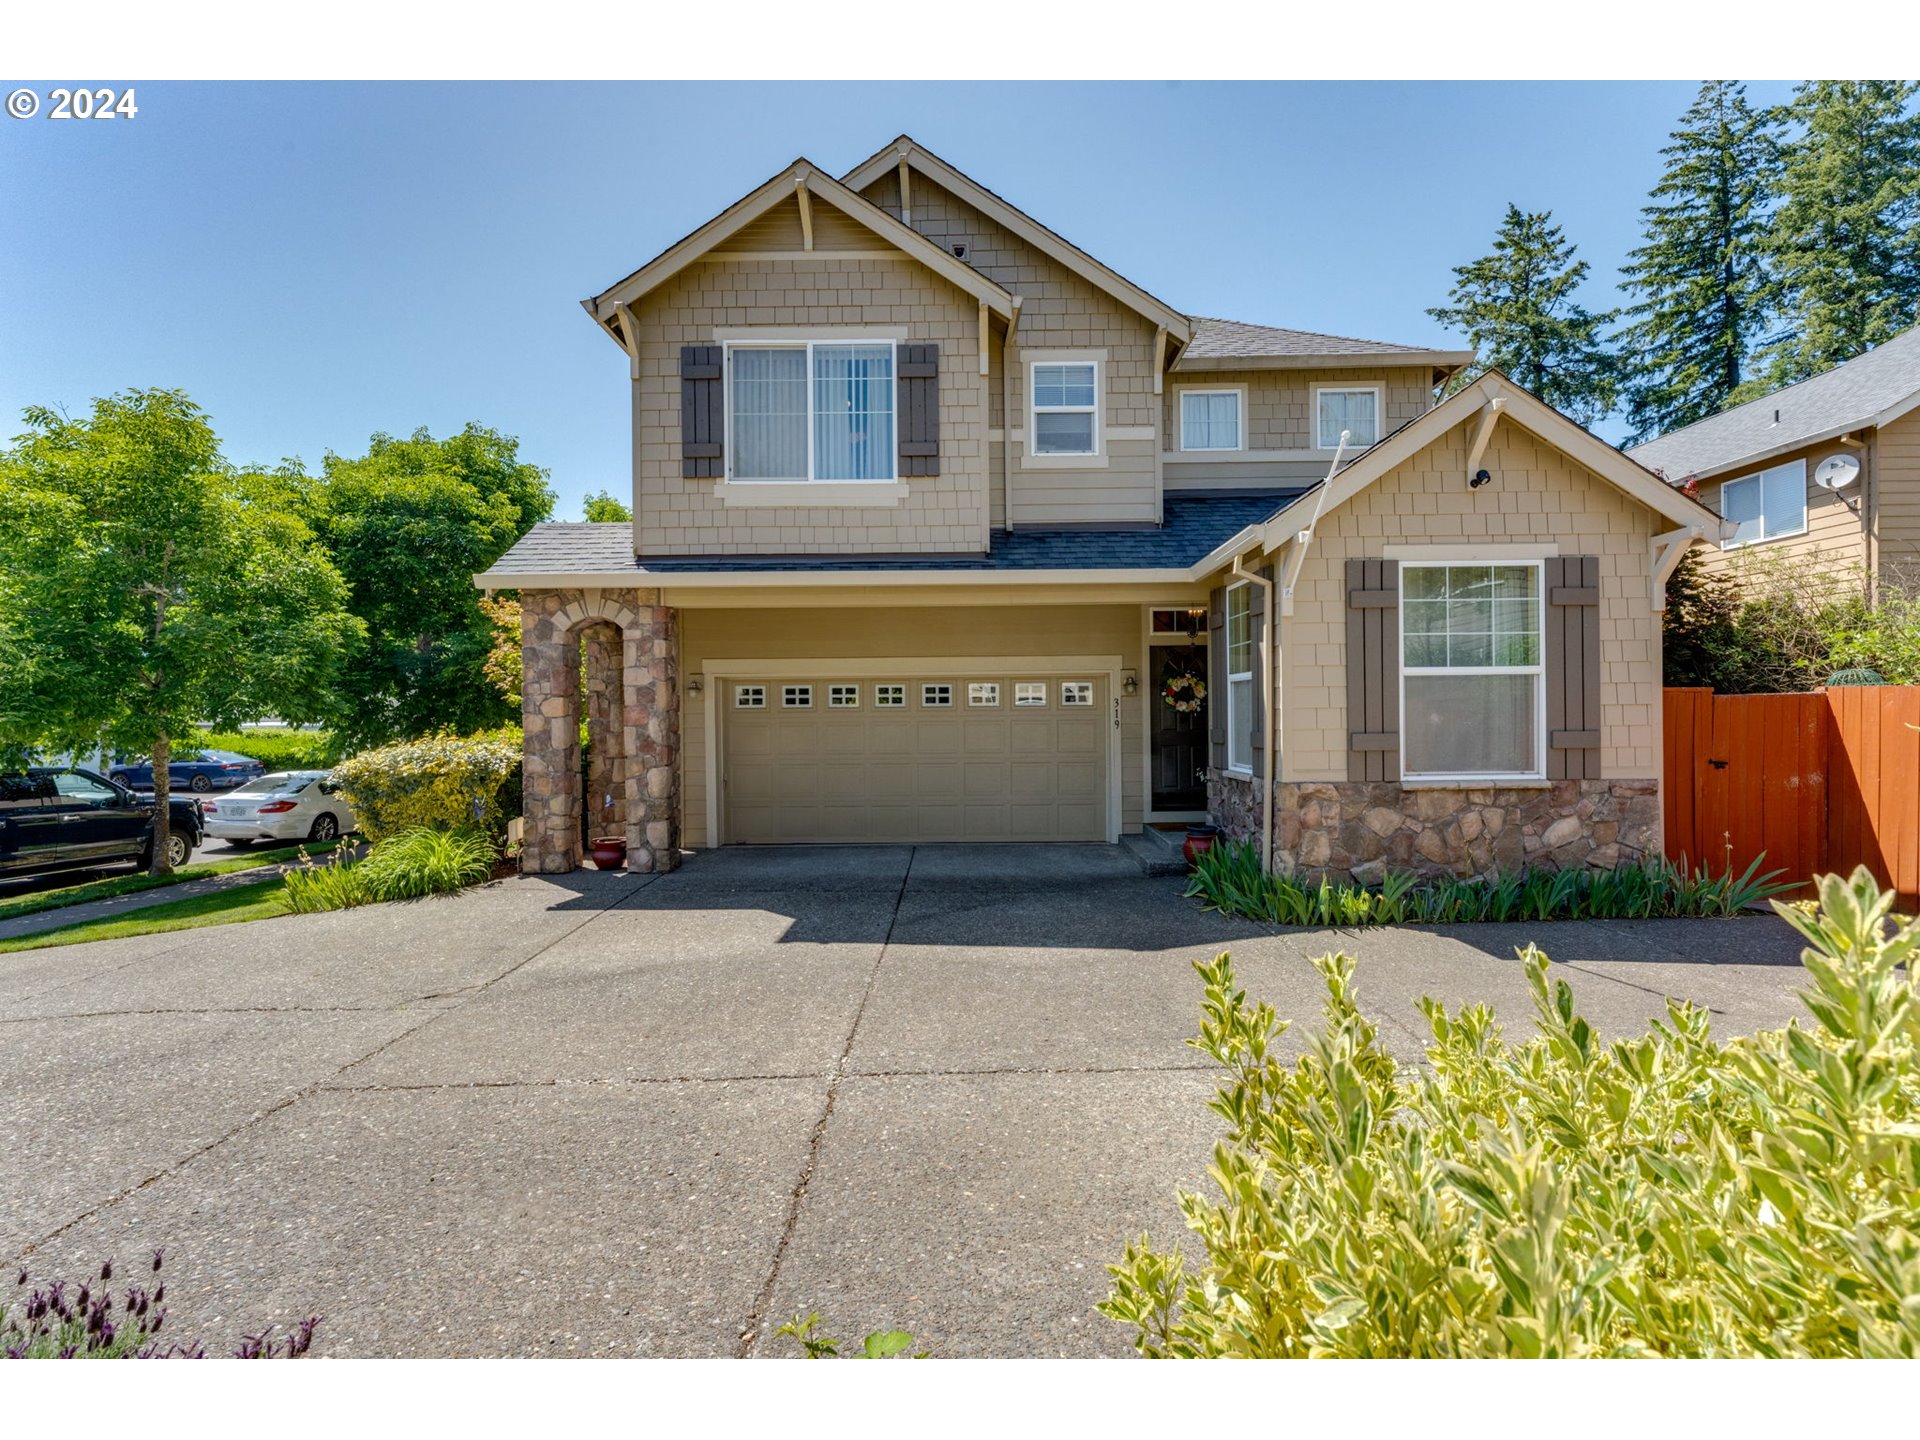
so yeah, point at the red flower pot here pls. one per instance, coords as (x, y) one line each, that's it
(1200, 840)
(609, 851)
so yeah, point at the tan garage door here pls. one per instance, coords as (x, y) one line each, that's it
(914, 759)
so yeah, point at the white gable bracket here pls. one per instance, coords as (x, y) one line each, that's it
(1489, 417)
(1667, 551)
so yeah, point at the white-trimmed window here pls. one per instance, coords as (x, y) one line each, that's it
(983, 692)
(936, 696)
(1766, 506)
(889, 697)
(1066, 407)
(1240, 677)
(1353, 408)
(843, 697)
(796, 697)
(1213, 419)
(750, 697)
(1076, 692)
(1472, 673)
(1029, 692)
(811, 410)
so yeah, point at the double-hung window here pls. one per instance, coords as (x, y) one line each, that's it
(811, 411)
(1473, 687)
(1211, 420)
(1240, 677)
(1355, 410)
(1066, 401)
(1768, 505)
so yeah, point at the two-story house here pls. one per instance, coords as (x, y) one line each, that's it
(945, 531)
(1824, 474)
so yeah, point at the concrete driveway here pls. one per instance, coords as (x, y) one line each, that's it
(934, 1088)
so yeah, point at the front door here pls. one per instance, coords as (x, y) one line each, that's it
(1179, 704)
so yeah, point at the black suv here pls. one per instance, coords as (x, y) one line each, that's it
(54, 819)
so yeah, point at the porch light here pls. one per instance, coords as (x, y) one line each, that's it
(694, 687)
(1130, 685)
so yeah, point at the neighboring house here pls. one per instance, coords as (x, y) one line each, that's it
(1760, 465)
(945, 531)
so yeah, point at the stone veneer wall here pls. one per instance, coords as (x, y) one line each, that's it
(1361, 830)
(644, 748)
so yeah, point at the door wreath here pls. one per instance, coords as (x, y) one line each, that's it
(1184, 693)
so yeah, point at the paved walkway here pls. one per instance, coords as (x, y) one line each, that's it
(934, 1088)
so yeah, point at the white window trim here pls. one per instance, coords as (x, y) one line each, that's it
(1758, 479)
(1180, 419)
(1538, 670)
(1379, 414)
(808, 344)
(1098, 360)
(1235, 722)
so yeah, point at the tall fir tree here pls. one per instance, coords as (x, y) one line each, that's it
(1699, 279)
(1518, 311)
(1845, 243)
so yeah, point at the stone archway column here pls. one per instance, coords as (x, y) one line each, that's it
(652, 738)
(550, 721)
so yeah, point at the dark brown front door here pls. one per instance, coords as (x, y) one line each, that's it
(1179, 737)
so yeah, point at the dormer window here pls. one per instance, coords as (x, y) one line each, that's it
(808, 411)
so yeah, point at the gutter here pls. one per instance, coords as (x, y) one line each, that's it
(1267, 711)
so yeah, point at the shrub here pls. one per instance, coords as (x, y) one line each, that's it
(407, 866)
(1230, 877)
(1667, 1195)
(879, 1344)
(443, 781)
(275, 749)
(59, 1320)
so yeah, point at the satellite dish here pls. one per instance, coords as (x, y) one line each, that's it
(1837, 472)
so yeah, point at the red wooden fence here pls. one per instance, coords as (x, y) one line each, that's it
(1820, 782)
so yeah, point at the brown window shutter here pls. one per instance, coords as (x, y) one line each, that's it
(1373, 669)
(1257, 630)
(703, 424)
(1217, 679)
(1573, 667)
(919, 420)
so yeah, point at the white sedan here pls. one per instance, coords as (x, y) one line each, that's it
(287, 805)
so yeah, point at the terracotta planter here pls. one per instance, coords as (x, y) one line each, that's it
(609, 851)
(1200, 840)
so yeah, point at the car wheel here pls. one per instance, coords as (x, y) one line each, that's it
(179, 849)
(200, 783)
(325, 828)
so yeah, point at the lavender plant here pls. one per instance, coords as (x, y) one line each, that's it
(60, 1320)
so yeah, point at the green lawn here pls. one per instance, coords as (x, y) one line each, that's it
(135, 883)
(253, 901)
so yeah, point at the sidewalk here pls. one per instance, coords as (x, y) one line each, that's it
(117, 905)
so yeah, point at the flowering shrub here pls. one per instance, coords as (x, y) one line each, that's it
(441, 781)
(60, 1321)
(1668, 1195)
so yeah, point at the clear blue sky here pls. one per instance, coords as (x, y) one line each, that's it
(314, 263)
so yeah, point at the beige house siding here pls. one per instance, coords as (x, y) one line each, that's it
(1279, 413)
(1060, 312)
(1539, 495)
(985, 632)
(942, 514)
(1835, 540)
(780, 230)
(1896, 492)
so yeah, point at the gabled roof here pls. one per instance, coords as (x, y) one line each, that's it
(1517, 406)
(1048, 242)
(1870, 389)
(1236, 345)
(819, 185)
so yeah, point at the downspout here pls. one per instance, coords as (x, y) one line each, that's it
(1267, 710)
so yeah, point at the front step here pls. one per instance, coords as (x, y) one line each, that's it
(1157, 851)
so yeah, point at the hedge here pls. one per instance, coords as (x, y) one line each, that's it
(442, 781)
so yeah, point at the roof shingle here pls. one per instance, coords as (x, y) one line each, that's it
(1235, 339)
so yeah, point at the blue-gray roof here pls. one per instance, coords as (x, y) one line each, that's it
(1194, 526)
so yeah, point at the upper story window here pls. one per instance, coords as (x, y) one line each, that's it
(811, 411)
(1066, 399)
(1473, 686)
(1352, 408)
(1768, 505)
(1212, 420)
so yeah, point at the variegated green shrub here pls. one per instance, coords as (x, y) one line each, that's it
(1669, 1195)
(441, 781)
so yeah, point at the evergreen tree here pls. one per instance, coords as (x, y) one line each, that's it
(1845, 243)
(1699, 278)
(1518, 311)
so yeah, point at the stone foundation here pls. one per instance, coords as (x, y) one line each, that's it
(1360, 830)
(632, 649)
